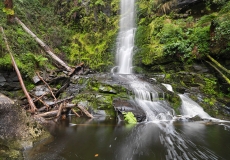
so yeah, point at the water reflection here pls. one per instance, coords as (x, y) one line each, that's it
(104, 139)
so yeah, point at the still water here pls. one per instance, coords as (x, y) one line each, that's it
(105, 139)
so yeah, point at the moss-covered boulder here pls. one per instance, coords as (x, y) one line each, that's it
(17, 130)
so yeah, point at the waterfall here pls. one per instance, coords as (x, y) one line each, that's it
(190, 108)
(146, 97)
(125, 41)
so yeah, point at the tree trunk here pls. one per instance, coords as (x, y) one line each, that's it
(9, 6)
(44, 46)
(33, 107)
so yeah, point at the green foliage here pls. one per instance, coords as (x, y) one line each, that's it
(210, 86)
(8, 11)
(5, 62)
(95, 35)
(129, 118)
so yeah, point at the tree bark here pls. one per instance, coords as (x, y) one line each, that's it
(32, 106)
(9, 5)
(44, 46)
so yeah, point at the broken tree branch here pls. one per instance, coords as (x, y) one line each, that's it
(62, 105)
(32, 106)
(85, 111)
(49, 114)
(44, 46)
(53, 103)
(75, 113)
(46, 85)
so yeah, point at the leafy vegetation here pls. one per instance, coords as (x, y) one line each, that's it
(129, 118)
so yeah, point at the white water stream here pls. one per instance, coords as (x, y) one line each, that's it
(145, 95)
(156, 109)
(125, 43)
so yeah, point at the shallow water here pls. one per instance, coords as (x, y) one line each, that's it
(102, 138)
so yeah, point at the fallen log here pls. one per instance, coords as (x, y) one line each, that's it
(44, 46)
(85, 111)
(32, 106)
(48, 114)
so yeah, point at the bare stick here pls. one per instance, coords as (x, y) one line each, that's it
(75, 113)
(32, 106)
(46, 85)
(44, 46)
(48, 114)
(62, 105)
(59, 101)
(85, 111)
(39, 99)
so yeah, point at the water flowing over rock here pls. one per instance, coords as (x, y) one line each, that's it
(125, 42)
(146, 97)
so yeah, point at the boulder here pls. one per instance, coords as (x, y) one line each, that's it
(17, 130)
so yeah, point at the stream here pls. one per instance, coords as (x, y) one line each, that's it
(161, 136)
(105, 139)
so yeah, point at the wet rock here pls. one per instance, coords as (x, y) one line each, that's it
(9, 81)
(106, 89)
(195, 118)
(17, 130)
(41, 90)
(36, 79)
(200, 68)
(129, 106)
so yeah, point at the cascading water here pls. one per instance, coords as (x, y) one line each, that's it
(190, 108)
(125, 41)
(145, 95)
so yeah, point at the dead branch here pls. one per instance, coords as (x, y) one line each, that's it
(59, 101)
(62, 105)
(44, 46)
(46, 85)
(48, 114)
(32, 106)
(39, 99)
(68, 106)
(75, 113)
(85, 111)
(78, 67)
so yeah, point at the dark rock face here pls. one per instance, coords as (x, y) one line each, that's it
(186, 3)
(9, 81)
